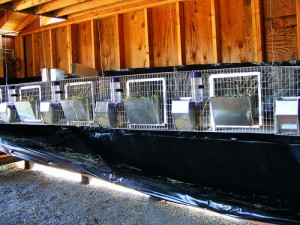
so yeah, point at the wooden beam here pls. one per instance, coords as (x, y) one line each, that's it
(25, 4)
(57, 4)
(69, 48)
(257, 29)
(148, 30)
(215, 31)
(29, 19)
(87, 5)
(298, 26)
(4, 1)
(5, 18)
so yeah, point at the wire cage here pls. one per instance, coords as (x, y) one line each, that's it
(240, 100)
(78, 101)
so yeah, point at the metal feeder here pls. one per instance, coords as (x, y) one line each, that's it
(51, 112)
(9, 113)
(287, 115)
(184, 114)
(106, 114)
(27, 110)
(76, 110)
(231, 111)
(143, 110)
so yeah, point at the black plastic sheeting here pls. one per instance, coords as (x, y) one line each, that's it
(253, 177)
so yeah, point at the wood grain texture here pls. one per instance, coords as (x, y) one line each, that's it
(198, 32)
(42, 56)
(236, 31)
(61, 49)
(164, 36)
(104, 38)
(135, 46)
(82, 43)
(280, 26)
(28, 55)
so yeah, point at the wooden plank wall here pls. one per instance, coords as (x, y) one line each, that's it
(178, 33)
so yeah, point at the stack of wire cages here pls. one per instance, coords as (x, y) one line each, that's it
(78, 102)
(261, 99)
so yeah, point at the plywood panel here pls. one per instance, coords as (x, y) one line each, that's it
(135, 46)
(60, 48)
(28, 56)
(280, 25)
(236, 28)
(41, 46)
(163, 35)
(198, 32)
(83, 43)
(104, 36)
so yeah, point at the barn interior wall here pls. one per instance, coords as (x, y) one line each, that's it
(155, 35)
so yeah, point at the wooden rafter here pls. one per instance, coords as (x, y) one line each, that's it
(57, 4)
(25, 4)
(87, 5)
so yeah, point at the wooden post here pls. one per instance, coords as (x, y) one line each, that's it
(85, 179)
(28, 165)
(119, 40)
(256, 30)
(1, 61)
(215, 31)
(298, 26)
(180, 33)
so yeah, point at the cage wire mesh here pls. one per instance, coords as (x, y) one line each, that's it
(260, 86)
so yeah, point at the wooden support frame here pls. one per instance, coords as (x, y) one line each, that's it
(180, 34)
(119, 40)
(216, 31)
(298, 26)
(257, 29)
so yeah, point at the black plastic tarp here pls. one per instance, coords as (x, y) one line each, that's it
(247, 176)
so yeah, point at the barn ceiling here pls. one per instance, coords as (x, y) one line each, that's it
(16, 15)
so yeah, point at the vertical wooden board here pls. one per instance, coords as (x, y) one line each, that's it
(28, 56)
(41, 46)
(60, 48)
(236, 31)
(134, 40)
(280, 26)
(84, 44)
(164, 38)
(74, 38)
(1, 61)
(19, 51)
(198, 32)
(104, 36)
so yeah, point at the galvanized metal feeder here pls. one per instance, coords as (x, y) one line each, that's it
(76, 110)
(9, 113)
(143, 110)
(27, 110)
(287, 115)
(184, 114)
(106, 114)
(231, 111)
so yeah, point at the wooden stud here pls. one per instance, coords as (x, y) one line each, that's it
(69, 49)
(298, 26)
(119, 40)
(180, 34)
(215, 31)
(1, 61)
(257, 30)
(93, 59)
(149, 54)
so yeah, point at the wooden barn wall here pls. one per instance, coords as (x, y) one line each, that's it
(178, 33)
